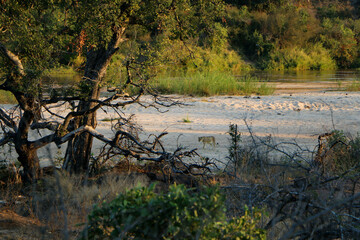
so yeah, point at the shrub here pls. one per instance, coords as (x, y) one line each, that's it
(179, 214)
(179, 58)
(246, 156)
(341, 152)
(341, 42)
(313, 58)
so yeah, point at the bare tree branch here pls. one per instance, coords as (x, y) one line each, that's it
(45, 125)
(7, 119)
(289, 233)
(8, 138)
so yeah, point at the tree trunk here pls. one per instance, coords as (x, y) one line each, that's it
(28, 103)
(25, 149)
(29, 161)
(78, 151)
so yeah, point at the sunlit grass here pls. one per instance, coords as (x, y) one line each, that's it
(6, 97)
(252, 85)
(214, 83)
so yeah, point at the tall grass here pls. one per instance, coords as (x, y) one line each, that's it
(211, 83)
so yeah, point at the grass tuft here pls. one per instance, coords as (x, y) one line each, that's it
(186, 120)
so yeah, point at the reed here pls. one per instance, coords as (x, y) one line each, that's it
(211, 83)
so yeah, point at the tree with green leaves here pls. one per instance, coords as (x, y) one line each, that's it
(106, 25)
(38, 35)
(28, 40)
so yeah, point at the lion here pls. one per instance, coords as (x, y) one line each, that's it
(207, 140)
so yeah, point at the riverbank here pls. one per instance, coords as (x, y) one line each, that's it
(297, 117)
(288, 117)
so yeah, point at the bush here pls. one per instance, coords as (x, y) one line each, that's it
(179, 214)
(341, 42)
(180, 58)
(341, 152)
(246, 157)
(313, 58)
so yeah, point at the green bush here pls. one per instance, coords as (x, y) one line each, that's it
(313, 58)
(179, 214)
(296, 36)
(341, 42)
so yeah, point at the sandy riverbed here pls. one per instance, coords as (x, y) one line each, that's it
(299, 117)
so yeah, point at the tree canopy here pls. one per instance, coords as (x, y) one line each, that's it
(39, 35)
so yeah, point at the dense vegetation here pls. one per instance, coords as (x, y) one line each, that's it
(246, 35)
(140, 213)
(270, 35)
(185, 46)
(297, 35)
(234, 38)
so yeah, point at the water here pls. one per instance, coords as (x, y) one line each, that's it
(283, 82)
(309, 76)
(308, 81)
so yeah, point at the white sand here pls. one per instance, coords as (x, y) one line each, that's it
(299, 117)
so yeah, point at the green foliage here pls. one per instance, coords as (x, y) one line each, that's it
(341, 40)
(289, 35)
(65, 31)
(178, 57)
(187, 119)
(179, 214)
(314, 58)
(30, 31)
(335, 10)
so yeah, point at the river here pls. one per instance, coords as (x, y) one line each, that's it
(284, 82)
(304, 105)
(305, 81)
